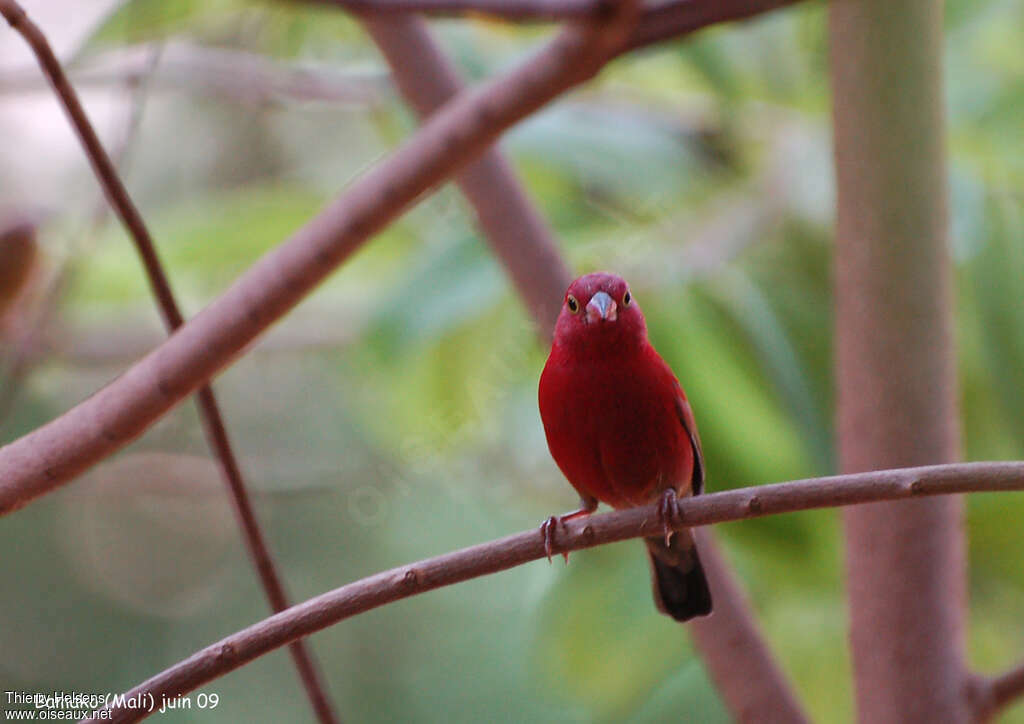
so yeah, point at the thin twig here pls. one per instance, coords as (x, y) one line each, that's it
(480, 560)
(213, 423)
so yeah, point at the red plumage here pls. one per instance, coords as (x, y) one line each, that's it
(619, 427)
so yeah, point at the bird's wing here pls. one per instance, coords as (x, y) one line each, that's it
(690, 425)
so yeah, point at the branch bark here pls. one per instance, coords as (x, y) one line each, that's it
(210, 414)
(896, 399)
(322, 611)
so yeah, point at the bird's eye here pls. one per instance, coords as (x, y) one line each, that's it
(574, 306)
(626, 299)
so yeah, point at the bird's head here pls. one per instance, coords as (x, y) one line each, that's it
(599, 312)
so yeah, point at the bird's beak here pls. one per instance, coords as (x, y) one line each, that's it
(602, 306)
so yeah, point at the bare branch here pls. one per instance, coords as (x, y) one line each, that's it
(113, 416)
(480, 560)
(213, 422)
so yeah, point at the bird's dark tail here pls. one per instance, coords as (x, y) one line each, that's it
(680, 588)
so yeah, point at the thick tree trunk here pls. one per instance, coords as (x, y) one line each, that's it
(897, 400)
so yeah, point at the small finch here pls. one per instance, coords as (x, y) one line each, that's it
(621, 430)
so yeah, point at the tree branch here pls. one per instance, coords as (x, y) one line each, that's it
(54, 453)
(326, 609)
(210, 414)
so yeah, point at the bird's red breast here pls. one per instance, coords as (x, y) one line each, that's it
(610, 405)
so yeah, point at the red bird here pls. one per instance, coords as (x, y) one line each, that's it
(620, 428)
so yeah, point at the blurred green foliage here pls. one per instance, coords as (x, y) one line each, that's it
(393, 415)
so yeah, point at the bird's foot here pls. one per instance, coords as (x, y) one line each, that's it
(548, 527)
(669, 513)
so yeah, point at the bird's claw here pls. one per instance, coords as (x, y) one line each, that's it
(547, 531)
(547, 528)
(668, 513)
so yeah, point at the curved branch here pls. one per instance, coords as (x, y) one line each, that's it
(326, 609)
(53, 454)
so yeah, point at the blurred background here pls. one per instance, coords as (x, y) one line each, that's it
(393, 415)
